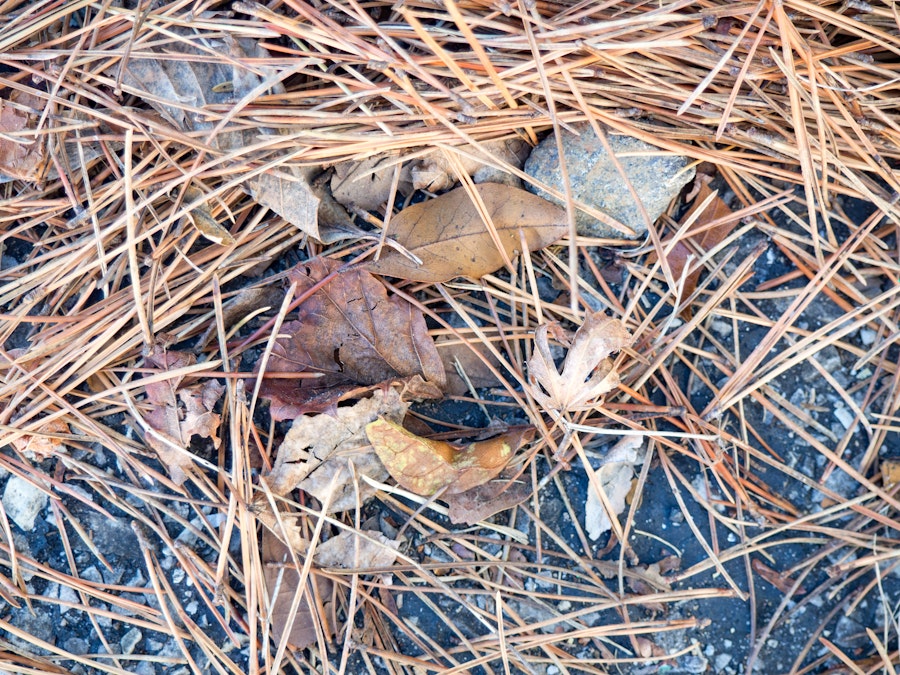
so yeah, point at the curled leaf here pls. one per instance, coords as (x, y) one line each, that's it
(587, 371)
(425, 466)
(614, 478)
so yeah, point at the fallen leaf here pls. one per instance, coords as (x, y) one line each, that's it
(587, 372)
(483, 501)
(22, 153)
(39, 445)
(614, 477)
(779, 580)
(368, 549)
(179, 410)
(318, 449)
(472, 358)
(425, 466)
(180, 88)
(705, 240)
(203, 220)
(890, 473)
(352, 333)
(435, 171)
(366, 184)
(449, 237)
(283, 584)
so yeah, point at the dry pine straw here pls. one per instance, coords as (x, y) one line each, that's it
(797, 96)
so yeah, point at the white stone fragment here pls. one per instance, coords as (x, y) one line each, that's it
(23, 501)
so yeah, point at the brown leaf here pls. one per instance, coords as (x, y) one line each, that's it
(353, 550)
(202, 218)
(479, 503)
(587, 371)
(352, 333)
(21, 148)
(366, 184)
(450, 238)
(473, 358)
(705, 240)
(425, 466)
(890, 473)
(282, 582)
(435, 171)
(317, 448)
(40, 446)
(179, 411)
(179, 89)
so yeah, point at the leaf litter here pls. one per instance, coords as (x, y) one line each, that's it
(449, 237)
(323, 451)
(351, 333)
(179, 410)
(425, 466)
(85, 302)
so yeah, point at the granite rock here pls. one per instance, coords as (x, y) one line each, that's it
(656, 175)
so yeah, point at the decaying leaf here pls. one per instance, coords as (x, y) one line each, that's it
(282, 582)
(352, 550)
(449, 237)
(352, 333)
(425, 466)
(457, 355)
(180, 88)
(890, 473)
(40, 446)
(614, 477)
(483, 501)
(22, 153)
(179, 410)
(705, 239)
(435, 171)
(366, 184)
(587, 371)
(318, 449)
(203, 220)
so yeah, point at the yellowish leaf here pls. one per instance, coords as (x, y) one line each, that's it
(425, 466)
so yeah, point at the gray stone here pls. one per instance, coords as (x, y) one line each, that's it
(130, 640)
(657, 177)
(23, 502)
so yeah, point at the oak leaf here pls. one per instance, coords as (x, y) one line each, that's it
(449, 237)
(179, 410)
(316, 454)
(352, 333)
(425, 466)
(587, 372)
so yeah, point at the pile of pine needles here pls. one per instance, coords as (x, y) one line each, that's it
(795, 105)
